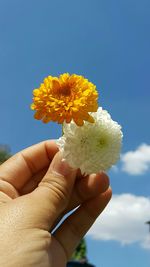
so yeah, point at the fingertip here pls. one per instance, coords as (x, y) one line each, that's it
(51, 148)
(61, 167)
(109, 192)
(105, 181)
(101, 181)
(107, 195)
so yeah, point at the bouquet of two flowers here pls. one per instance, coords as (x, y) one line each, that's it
(91, 140)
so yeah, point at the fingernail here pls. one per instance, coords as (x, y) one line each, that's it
(60, 166)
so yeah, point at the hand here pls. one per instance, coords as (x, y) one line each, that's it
(36, 189)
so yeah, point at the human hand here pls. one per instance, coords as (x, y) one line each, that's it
(36, 190)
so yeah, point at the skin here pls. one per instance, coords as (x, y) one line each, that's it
(36, 189)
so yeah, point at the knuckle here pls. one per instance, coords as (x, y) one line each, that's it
(57, 188)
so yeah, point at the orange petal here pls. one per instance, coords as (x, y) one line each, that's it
(38, 115)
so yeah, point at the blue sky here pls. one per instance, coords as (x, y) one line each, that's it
(107, 42)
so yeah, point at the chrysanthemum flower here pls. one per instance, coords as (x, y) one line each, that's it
(64, 98)
(92, 147)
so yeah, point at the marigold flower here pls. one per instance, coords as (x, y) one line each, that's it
(64, 98)
(92, 147)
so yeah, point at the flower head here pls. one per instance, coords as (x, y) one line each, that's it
(64, 98)
(93, 147)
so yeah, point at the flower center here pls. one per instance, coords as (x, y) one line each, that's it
(61, 89)
(65, 90)
(102, 142)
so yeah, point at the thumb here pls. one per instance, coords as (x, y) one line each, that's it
(53, 193)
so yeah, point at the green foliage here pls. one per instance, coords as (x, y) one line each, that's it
(4, 153)
(80, 252)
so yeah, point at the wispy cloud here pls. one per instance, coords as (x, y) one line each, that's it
(124, 221)
(136, 162)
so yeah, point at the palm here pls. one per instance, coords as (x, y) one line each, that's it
(42, 247)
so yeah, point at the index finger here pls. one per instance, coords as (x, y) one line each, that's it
(20, 168)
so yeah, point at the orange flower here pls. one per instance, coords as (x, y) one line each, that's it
(65, 98)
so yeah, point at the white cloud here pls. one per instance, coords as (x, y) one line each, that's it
(124, 221)
(136, 162)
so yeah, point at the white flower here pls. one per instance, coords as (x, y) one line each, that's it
(93, 147)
